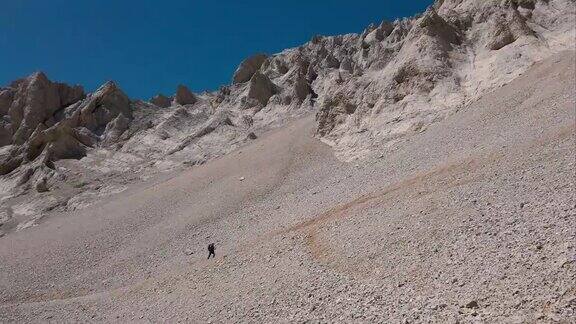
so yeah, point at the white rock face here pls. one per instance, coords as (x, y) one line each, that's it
(46, 130)
(369, 89)
(34, 100)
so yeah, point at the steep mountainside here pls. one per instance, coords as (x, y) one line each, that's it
(369, 90)
(472, 221)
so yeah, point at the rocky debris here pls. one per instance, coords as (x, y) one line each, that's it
(373, 89)
(472, 304)
(248, 67)
(440, 235)
(184, 96)
(161, 101)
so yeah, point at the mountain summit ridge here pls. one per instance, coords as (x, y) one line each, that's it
(368, 90)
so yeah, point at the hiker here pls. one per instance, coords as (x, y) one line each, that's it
(211, 249)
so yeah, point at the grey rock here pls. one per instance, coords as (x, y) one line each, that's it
(248, 67)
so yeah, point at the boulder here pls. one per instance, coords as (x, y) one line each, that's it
(41, 185)
(248, 67)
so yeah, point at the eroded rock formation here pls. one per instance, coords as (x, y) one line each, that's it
(367, 90)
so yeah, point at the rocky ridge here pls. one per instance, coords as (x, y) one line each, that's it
(372, 89)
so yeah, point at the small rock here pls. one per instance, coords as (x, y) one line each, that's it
(538, 246)
(472, 304)
(241, 179)
(41, 185)
(188, 252)
(252, 136)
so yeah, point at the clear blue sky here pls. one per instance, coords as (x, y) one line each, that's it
(152, 46)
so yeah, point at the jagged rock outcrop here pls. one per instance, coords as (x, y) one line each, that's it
(45, 130)
(99, 109)
(367, 90)
(6, 98)
(33, 101)
(261, 88)
(161, 100)
(302, 88)
(248, 67)
(184, 96)
(115, 129)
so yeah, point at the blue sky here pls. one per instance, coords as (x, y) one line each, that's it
(152, 46)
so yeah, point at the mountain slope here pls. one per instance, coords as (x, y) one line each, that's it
(369, 91)
(471, 220)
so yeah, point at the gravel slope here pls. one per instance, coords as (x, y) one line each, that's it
(471, 220)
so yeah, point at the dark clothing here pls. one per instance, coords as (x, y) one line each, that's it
(211, 249)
